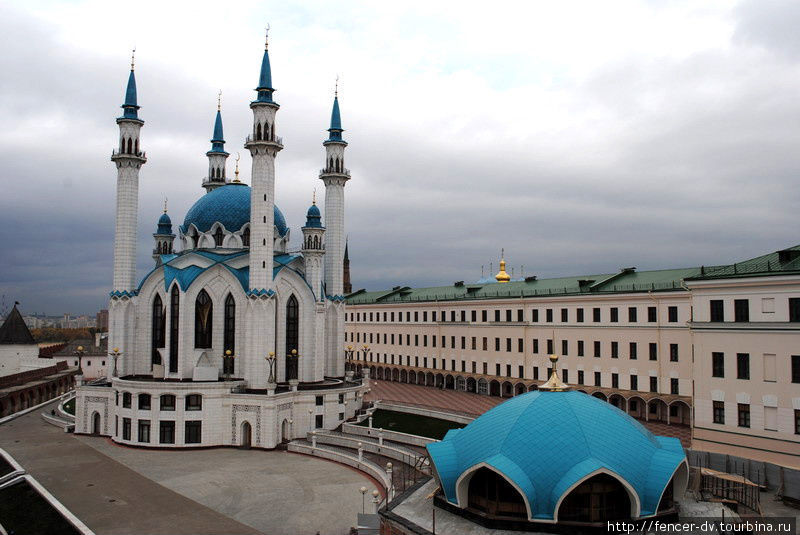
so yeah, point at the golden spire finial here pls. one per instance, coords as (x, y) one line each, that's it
(133, 57)
(266, 37)
(336, 87)
(236, 171)
(165, 205)
(314, 197)
(554, 384)
(502, 276)
(219, 100)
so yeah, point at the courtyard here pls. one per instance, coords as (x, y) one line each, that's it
(119, 490)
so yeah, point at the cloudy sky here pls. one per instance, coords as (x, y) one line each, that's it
(580, 136)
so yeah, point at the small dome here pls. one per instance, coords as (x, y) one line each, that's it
(164, 225)
(164, 219)
(230, 206)
(545, 443)
(313, 217)
(313, 211)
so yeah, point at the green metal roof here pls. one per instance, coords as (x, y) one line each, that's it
(627, 280)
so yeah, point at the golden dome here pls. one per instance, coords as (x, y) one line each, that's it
(502, 276)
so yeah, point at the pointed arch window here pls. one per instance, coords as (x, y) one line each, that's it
(130, 145)
(174, 318)
(218, 237)
(158, 326)
(246, 237)
(292, 335)
(203, 313)
(136, 146)
(230, 331)
(258, 131)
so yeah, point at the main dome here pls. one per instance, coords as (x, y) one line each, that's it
(230, 206)
(545, 443)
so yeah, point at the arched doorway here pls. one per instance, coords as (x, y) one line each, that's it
(471, 384)
(600, 498)
(96, 423)
(247, 433)
(490, 494)
(494, 388)
(285, 431)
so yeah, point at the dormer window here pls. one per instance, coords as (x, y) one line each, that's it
(246, 237)
(218, 236)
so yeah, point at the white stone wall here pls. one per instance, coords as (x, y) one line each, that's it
(12, 356)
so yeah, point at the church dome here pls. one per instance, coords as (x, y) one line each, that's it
(547, 443)
(230, 206)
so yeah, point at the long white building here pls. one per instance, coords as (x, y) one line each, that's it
(714, 348)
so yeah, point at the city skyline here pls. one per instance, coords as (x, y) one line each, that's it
(670, 129)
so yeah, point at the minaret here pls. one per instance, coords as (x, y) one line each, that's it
(217, 155)
(163, 236)
(128, 159)
(334, 175)
(314, 249)
(346, 285)
(263, 146)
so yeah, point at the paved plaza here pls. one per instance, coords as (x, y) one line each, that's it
(476, 404)
(117, 490)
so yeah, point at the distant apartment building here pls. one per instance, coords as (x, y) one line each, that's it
(101, 320)
(716, 348)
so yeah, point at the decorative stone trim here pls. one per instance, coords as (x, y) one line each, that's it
(245, 408)
(95, 399)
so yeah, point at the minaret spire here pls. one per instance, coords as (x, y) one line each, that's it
(217, 157)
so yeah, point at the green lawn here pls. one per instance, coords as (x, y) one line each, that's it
(69, 407)
(413, 424)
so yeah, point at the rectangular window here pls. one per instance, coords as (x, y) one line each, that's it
(614, 380)
(614, 314)
(717, 311)
(597, 349)
(416, 316)
(463, 342)
(719, 412)
(474, 343)
(771, 418)
(497, 344)
(319, 420)
(674, 386)
(452, 342)
(126, 400)
(424, 315)
(549, 315)
(485, 369)
(536, 372)
(484, 315)
(744, 414)
(535, 345)
(596, 378)
(580, 348)
(652, 314)
(521, 372)
(653, 351)
(797, 421)
(741, 310)
(126, 429)
(796, 368)
(194, 402)
(463, 316)
(632, 314)
(424, 340)
(508, 345)
(485, 344)
(579, 315)
(742, 365)
(166, 432)
(672, 314)
(654, 384)
(167, 402)
(614, 350)
(596, 315)
(520, 345)
(633, 349)
(508, 315)
(520, 315)
(564, 347)
(496, 315)
(144, 431)
(673, 352)
(580, 377)
(320, 400)
(717, 364)
(549, 347)
(474, 367)
(634, 382)
(497, 369)
(433, 316)
(794, 309)
(474, 316)
(564, 375)
(508, 370)
(564, 315)
(535, 315)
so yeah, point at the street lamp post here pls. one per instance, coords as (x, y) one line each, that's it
(271, 377)
(79, 352)
(348, 357)
(227, 363)
(363, 491)
(115, 354)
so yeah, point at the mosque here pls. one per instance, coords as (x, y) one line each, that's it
(232, 338)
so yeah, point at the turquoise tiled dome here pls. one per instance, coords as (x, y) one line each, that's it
(230, 205)
(546, 442)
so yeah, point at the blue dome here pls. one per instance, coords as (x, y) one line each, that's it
(545, 443)
(313, 217)
(230, 206)
(164, 224)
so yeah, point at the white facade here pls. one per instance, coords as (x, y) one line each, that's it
(209, 320)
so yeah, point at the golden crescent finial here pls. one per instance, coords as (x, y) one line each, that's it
(314, 198)
(133, 57)
(219, 100)
(266, 37)
(236, 172)
(165, 205)
(336, 87)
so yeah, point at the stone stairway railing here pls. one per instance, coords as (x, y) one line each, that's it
(366, 444)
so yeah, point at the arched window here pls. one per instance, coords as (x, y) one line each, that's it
(330, 164)
(136, 146)
(230, 328)
(598, 499)
(218, 236)
(258, 131)
(292, 335)
(272, 132)
(490, 494)
(158, 327)
(174, 317)
(246, 237)
(203, 314)
(122, 144)
(130, 145)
